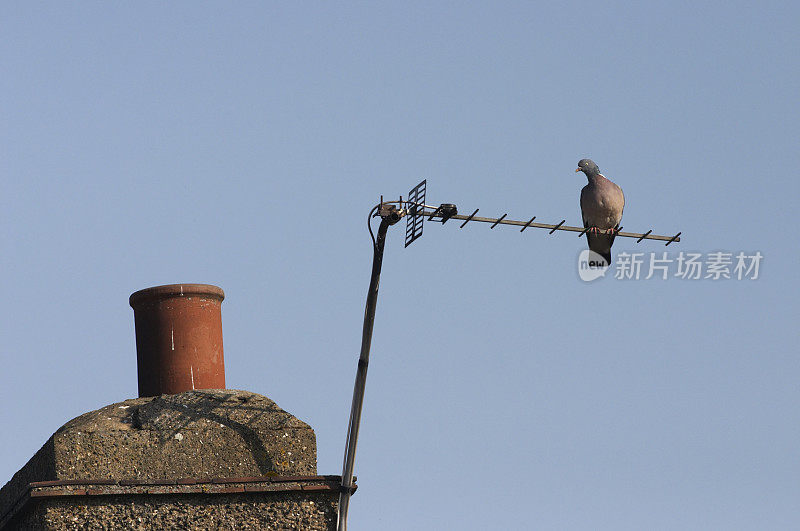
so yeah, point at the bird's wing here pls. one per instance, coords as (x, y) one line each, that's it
(616, 201)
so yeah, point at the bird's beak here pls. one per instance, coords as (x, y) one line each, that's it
(576, 171)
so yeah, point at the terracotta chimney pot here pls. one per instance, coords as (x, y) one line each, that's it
(178, 338)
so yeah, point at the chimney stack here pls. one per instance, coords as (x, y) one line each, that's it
(178, 338)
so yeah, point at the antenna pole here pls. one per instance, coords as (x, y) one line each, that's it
(389, 216)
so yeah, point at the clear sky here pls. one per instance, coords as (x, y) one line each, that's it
(243, 144)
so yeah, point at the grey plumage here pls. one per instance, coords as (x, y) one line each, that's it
(602, 203)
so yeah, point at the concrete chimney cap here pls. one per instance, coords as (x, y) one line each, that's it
(176, 290)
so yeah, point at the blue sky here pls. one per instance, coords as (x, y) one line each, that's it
(243, 145)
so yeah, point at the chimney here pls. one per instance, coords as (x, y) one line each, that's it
(186, 450)
(178, 338)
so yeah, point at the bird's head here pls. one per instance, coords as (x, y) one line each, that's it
(588, 167)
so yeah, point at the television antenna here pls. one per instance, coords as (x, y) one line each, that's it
(415, 211)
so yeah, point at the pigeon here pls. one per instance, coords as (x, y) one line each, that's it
(601, 207)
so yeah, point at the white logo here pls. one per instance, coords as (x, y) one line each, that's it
(591, 265)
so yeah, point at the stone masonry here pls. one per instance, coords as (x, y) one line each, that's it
(203, 459)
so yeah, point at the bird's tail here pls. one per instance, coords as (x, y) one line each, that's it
(601, 244)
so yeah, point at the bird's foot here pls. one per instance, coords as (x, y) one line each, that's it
(612, 231)
(594, 230)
